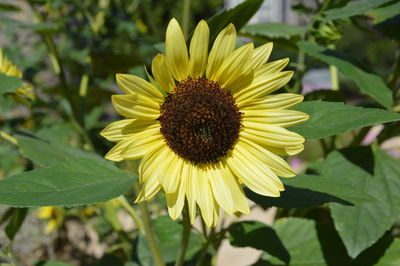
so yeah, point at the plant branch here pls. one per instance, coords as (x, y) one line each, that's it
(185, 236)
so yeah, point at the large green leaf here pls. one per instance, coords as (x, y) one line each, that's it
(353, 8)
(239, 16)
(369, 83)
(331, 118)
(9, 83)
(274, 30)
(383, 13)
(305, 191)
(168, 236)
(71, 177)
(260, 236)
(362, 225)
(391, 257)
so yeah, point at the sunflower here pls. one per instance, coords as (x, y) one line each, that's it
(9, 69)
(207, 125)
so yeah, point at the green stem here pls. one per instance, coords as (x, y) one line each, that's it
(132, 213)
(334, 77)
(186, 16)
(151, 240)
(185, 237)
(8, 137)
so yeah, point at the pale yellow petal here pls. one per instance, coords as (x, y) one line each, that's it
(235, 66)
(115, 154)
(136, 85)
(199, 49)
(253, 173)
(121, 129)
(162, 73)
(154, 162)
(175, 202)
(270, 135)
(172, 175)
(176, 51)
(51, 225)
(149, 189)
(226, 190)
(223, 46)
(261, 54)
(278, 101)
(143, 143)
(278, 165)
(136, 106)
(262, 86)
(278, 117)
(188, 175)
(271, 67)
(203, 194)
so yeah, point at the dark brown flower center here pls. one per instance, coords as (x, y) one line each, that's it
(200, 120)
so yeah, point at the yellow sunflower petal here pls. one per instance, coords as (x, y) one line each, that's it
(226, 190)
(188, 172)
(199, 49)
(149, 189)
(143, 143)
(172, 174)
(176, 51)
(223, 46)
(278, 117)
(270, 135)
(115, 154)
(131, 84)
(262, 86)
(203, 194)
(152, 164)
(271, 67)
(136, 106)
(162, 73)
(261, 54)
(119, 130)
(176, 201)
(254, 174)
(234, 67)
(278, 165)
(278, 101)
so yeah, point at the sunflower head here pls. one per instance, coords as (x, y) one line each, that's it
(210, 125)
(9, 69)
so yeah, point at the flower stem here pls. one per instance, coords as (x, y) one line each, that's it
(151, 240)
(132, 213)
(186, 15)
(185, 237)
(334, 78)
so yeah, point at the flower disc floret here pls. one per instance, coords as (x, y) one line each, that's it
(200, 120)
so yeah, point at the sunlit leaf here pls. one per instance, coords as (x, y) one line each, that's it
(168, 235)
(353, 8)
(274, 30)
(369, 83)
(331, 118)
(239, 16)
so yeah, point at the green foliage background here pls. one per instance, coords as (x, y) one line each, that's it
(342, 209)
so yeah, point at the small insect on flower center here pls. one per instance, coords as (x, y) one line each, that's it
(200, 120)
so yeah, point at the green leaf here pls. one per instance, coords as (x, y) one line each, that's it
(369, 83)
(15, 222)
(9, 83)
(71, 177)
(239, 16)
(274, 30)
(362, 225)
(168, 235)
(300, 239)
(353, 8)
(259, 236)
(305, 191)
(331, 118)
(383, 13)
(391, 257)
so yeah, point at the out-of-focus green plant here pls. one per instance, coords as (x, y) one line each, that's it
(342, 208)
